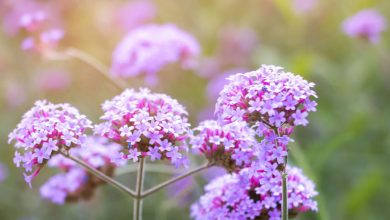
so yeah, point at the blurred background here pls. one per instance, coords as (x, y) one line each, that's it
(345, 149)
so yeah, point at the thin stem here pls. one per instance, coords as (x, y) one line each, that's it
(155, 168)
(284, 192)
(101, 175)
(93, 62)
(137, 210)
(284, 182)
(89, 60)
(175, 179)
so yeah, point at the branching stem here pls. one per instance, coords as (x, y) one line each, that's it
(137, 210)
(175, 179)
(101, 175)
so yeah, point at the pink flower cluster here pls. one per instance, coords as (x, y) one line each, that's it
(268, 95)
(231, 146)
(151, 125)
(271, 102)
(75, 182)
(147, 49)
(255, 193)
(45, 130)
(367, 24)
(39, 22)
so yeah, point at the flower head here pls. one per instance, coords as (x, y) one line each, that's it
(75, 183)
(367, 24)
(269, 96)
(141, 52)
(230, 146)
(254, 193)
(40, 21)
(45, 130)
(147, 124)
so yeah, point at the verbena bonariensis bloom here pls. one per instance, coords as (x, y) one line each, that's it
(255, 193)
(231, 146)
(141, 52)
(46, 40)
(76, 183)
(39, 21)
(44, 131)
(367, 24)
(149, 125)
(268, 96)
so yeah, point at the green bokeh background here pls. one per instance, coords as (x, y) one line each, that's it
(345, 149)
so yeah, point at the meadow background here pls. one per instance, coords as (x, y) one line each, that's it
(345, 148)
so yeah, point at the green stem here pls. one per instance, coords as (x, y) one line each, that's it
(89, 60)
(175, 179)
(155, 168)
(101, 175)
(137, 208)
(284, 192)
(284, 182)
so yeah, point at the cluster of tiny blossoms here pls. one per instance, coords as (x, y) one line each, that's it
(255, 193)
(271, 102)
(230, 146)
(39, 22)
(268, 95)
(76, 183)
(45, 130)
(151, 125)
(142, 52)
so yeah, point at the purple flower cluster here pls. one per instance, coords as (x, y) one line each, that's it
(39, 21)
(151, 125)
(45, 130)
(230, 146)
(268, 95)
(367, 24)
(141, 52)
(269, 103)
(75, 182)
(255, 193)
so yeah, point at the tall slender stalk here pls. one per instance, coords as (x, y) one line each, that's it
(89, 60)
(284, 192)
(284, 181)
(175, 179)
(101, 175)
(137, 207)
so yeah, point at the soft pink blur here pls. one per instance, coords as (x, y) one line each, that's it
(53, 80)
(15, 94)
(135, 13)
